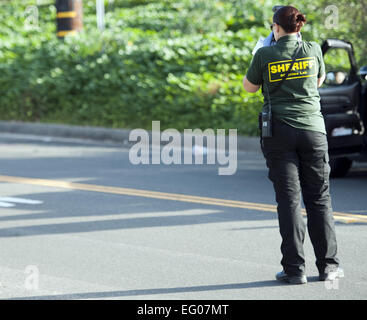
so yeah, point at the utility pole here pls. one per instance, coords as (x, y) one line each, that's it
(100, 14)
(69, 17)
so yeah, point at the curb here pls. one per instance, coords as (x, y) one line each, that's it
(101, 134)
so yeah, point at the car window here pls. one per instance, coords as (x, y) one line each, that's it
(337, 67)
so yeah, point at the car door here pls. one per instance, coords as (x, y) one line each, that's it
(341, 98)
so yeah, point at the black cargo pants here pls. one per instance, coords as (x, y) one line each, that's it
(298, 164)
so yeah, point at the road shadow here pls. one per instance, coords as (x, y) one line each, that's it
(113, 212)
(120, 223)
(156, 291)
(357, 174)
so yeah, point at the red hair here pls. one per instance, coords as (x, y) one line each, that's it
(289, 18)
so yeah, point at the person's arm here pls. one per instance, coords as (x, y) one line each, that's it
(321, 80)
(250, 87)
(321, 75)
(253, 79)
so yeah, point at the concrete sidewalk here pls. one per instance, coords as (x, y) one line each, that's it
(121, 136)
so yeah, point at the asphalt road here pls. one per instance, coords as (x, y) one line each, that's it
(79, 221)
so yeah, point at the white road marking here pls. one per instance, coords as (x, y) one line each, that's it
(8, 202)
(6, 205)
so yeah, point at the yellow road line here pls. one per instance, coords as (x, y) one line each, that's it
(345, 217)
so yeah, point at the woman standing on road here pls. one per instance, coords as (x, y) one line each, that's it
(297, 152)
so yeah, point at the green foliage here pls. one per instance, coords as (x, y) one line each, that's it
(337, 60)
(178, 61)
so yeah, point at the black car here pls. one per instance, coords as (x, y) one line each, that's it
(344, 106)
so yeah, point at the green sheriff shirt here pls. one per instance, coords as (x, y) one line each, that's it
(297, 101)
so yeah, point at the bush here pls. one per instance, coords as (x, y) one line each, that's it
(146, 66)
(177, 61)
